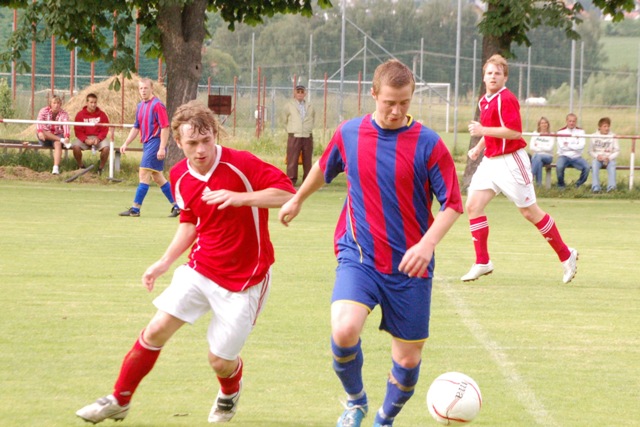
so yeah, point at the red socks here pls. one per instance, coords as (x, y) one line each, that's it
(135, 366)
(480, 234)
(549, 231)
(231, 384)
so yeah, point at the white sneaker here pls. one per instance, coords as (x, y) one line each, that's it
(570, 266)
(224, 408)
(103, 408)
(477, 270)
(56, 170)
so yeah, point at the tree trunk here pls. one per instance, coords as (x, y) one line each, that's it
(490, 46)
(183, 31)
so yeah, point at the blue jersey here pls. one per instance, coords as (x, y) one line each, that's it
(392, 179)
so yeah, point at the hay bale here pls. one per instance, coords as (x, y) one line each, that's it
(109, 101)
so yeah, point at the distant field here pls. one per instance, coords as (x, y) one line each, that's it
(622, 51)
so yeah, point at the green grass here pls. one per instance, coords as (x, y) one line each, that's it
(543, 353)
(622, 52)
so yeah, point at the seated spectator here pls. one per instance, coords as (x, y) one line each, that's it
(604, 150)
(570, 151)
(53, 135)
(542, 149)
(92, 138)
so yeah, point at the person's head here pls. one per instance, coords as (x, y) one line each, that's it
(92, 102)
(145, 88)
(495, 73)
(300, 93)
(543, 125)
(572, 121)
(392, 89)
(604, 125)
(55, 103)
(195, 130)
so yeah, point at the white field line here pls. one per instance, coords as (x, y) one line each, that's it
(523, 392)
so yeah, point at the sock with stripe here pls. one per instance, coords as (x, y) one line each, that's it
(347, 363)
(479, 228)
(400, 387)
(231, 384)
(548, 229)
(135, 366)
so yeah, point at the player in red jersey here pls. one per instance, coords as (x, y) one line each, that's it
(505, 168)
(224, 196)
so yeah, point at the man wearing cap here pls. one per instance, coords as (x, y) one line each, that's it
(298, 122)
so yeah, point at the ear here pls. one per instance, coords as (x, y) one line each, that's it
(373, 94)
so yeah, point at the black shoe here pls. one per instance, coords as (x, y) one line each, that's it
(99, 171)
(130, 212)
(175, 211)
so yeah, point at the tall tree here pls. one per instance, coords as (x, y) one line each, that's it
(175, 29)
(506, 22)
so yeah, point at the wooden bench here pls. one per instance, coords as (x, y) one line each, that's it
(21, 146)
(547, 170)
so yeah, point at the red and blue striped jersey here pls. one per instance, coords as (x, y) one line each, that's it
(392, 179)
(151, 116)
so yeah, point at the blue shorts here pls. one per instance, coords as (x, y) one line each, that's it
(405, 301)
(150, 155)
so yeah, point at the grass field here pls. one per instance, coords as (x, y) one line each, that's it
(543, 353)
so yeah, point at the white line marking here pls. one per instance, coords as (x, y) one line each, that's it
(523, 392)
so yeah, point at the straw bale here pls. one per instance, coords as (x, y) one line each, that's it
(109, 101)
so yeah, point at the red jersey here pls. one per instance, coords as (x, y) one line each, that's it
(98, 116)
(232, 245)
(497, 110)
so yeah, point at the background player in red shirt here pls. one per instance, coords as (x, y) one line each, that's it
(385, 237)
(224, 196)
(505, 168)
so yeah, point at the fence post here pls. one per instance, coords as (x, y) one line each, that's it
(632, 162)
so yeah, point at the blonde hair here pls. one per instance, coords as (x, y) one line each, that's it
(544, 119)
(499, 61)
(392, 73)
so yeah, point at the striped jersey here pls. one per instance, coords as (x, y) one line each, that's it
(45, 114)
(501, 109)
(232, 245)
(151, 116)
(392, 178)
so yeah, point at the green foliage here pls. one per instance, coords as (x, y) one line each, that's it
(6, 101)
(220, 66)
(601, 89)
(625, 28)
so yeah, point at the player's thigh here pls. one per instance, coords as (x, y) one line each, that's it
(406, 307)
(184, 298)
(234, 316)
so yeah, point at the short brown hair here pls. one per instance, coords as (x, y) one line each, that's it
(392, 73)
(199, 116)
(92, 95)
(604, 120)
(499, 61)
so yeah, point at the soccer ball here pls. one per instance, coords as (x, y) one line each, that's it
(454, 399)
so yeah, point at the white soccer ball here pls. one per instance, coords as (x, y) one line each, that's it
(454, 399)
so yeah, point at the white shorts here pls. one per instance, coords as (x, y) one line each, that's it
(191, 295)
(509, 174)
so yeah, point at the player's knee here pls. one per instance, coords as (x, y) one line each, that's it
(346, 335)
(222, 367)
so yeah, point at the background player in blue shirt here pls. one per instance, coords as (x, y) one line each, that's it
(385, 237)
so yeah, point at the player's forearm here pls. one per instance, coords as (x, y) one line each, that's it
(441, 225)
(182, 240)
(312, 183)
(133, 133)
(164, 137)
(268, 198)
(501, 132)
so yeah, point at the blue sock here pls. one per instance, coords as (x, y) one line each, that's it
(141, 193)
(398, 392)
(347, 362)
(166, 189)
